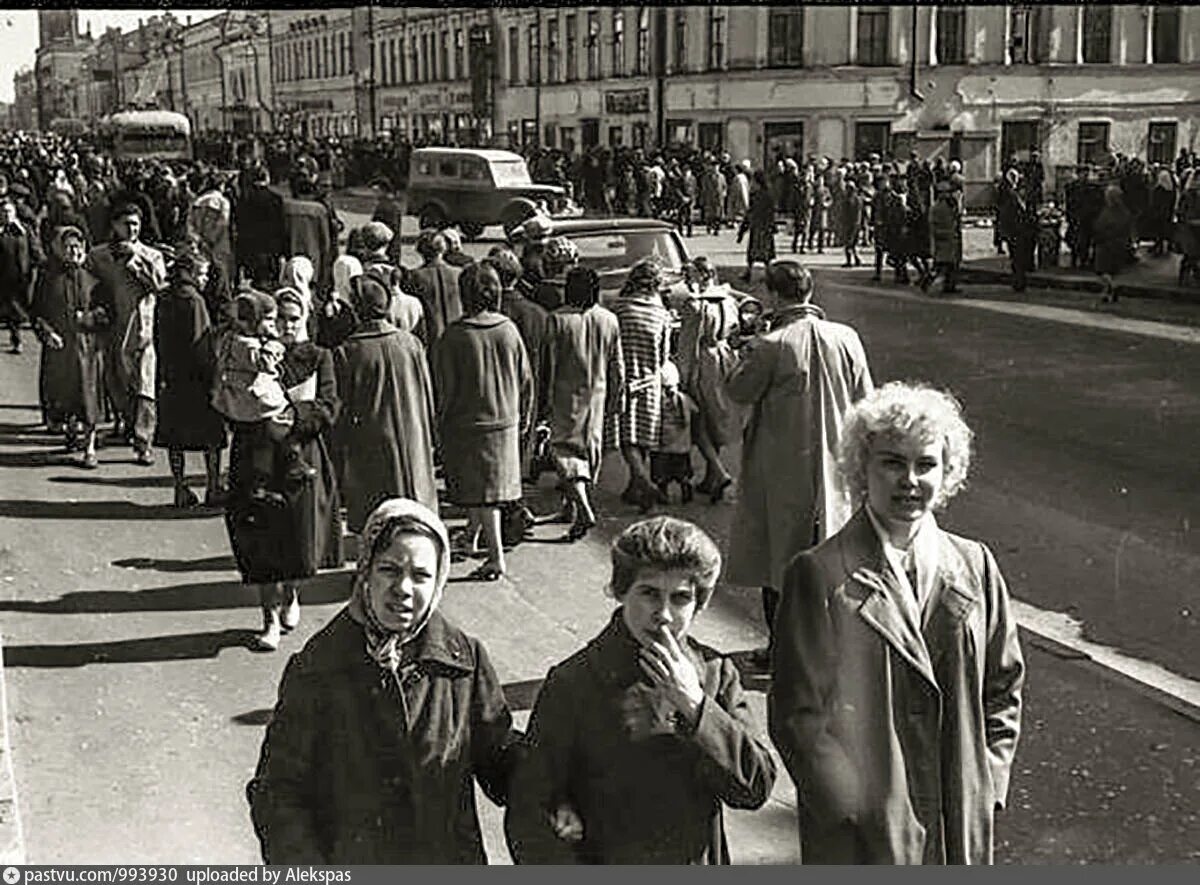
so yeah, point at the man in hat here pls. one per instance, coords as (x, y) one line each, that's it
(129, 272)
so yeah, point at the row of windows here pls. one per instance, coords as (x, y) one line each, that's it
(314, 58)
(422, 58)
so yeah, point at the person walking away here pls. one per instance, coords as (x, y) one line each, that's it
(17, 272)
(919, 247)
(1113, 230)
(259, 239)
(671, 459)
(712, 186)
(869, 623)
(437, 283)
(383, 439)
(484, 393)
(389, 212)
(184, 350)
(818, 220)
(1161, 214)
(802, 200)
(685, 196)
(1022, 236)
(582, 382)
(798, 380)
(851, 219)
(70, 322)
(645, 326)
(945, 224)
(880, 206)
(739, 193)
(759, 221)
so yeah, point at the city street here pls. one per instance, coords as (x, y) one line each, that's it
(136, 710)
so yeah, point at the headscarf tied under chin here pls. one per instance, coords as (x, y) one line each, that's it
(345, 268)
(395, 514)
(298, 274)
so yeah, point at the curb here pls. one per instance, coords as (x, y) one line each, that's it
(1048, 281)
(12, 840)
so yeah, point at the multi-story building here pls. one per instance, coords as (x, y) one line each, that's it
(318, 69)
(60, 59)
(24, 114)
(982, 83)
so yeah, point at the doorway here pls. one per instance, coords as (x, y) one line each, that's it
(590, 133)
(783, 139)
(1017, 139)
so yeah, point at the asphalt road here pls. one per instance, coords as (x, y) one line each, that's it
(137, 710)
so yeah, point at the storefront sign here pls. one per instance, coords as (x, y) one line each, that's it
(445, 100)
(315, 104)
(627, 101)
(395, 101)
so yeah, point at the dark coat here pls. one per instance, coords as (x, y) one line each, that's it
(900, 736)
(648, 789)
(359, 767)
(186, 360)
(16, 274)
(436, 284)
(760, 222)
(484, 388)
(290, 543)
(945, 225)
(71, 380)
(383, 440)
(258, 226)
(307, 231)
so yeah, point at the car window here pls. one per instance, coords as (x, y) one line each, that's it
(620, 251)
(425, 167)
(473, 169)
(448, 168)
(510, 173)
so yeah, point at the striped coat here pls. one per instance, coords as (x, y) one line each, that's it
(645, 345)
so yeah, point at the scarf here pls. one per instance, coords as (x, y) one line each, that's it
(384, 646)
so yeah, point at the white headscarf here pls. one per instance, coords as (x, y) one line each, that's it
(298, 274)
(384, 645)
(345, 268)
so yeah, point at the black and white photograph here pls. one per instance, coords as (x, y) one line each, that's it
(592, 434)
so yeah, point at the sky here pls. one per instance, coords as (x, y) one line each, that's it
(19, 34)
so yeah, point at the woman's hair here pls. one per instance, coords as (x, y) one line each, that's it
(582, 288)
(790, 280)
(354, 243)
(430, 244)
(401, 525)
(470, 288)
(505, 263)
(664, 543)
(916, 411)
(644, 277)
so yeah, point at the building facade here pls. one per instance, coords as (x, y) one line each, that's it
(24, 113)
(61, 56)
(317, 69)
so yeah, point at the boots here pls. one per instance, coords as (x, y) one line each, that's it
(290, 618)
(272, 631)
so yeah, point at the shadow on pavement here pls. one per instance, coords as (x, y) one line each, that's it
(34, 459)
(97, 509)
(254, 717)
(19, 408)
(207, 564)
(124, 482)
(321, 590)
(185, 646)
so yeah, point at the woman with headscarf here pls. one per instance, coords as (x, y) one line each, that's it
(209, 219)
(383, 440)
(1160, 225)
(386, 719)
(336, 321)
(61, 211)
(183, 342)
(760, 223)
(70, 322)
(277, 545)
(582, 379)
(1113, 231)
(645, 326)
(484, 390)
(297, 273)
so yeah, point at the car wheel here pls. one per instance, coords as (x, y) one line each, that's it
(471, 230)
(432, 218)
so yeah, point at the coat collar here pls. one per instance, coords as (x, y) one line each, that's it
(485, 320)
(440, 643)
(374, 329)
(884, 607)
(614, 653)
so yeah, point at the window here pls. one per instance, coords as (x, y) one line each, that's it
(618, 43)
(535, 54)
(401, 61)
(426, 57)
(346, 64)
(572, 60)
(548, 131)
(873, 24)
(460, 71)
(716, 39)
(680, 40)
(384, 70)
(308, 58)
(871, 137)
(785, 38)
(551, 54)
(643, 42)
(1093, 144)
(514, 56)
(593, 46)
(951, 35)
(1097, 34)
(616, 135)
(1166, 34)
(1025, 22)
(397, 60)
(444, 68)
(1161, 143)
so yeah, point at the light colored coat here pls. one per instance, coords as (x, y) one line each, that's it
(899, 735)
(799, 380)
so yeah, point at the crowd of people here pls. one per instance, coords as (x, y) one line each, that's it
(359, 396)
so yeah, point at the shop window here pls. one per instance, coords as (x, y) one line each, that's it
(1097, 34)
(1160, 145)
(711, 137)
(1018, 139)
(1166, 34)
(716, 39)
(951, 35)
(616, 136)
(872, 137)
(641, 134)
(785, 37)
(679, 132)
(1093, 144)
(873, 27)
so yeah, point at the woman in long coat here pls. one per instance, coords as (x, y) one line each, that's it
(1113, 231)
(798, 380)
(71, 322)
(383, 440)
(645, 328)
(760, 222)
(386, 719)
(896, 693)
(582, 380)
(638, 741)
(183, 342)
(484, 391)
(277, 547)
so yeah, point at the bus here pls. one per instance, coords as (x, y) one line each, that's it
(151, 135)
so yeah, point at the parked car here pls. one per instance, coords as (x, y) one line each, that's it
(474, 188)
